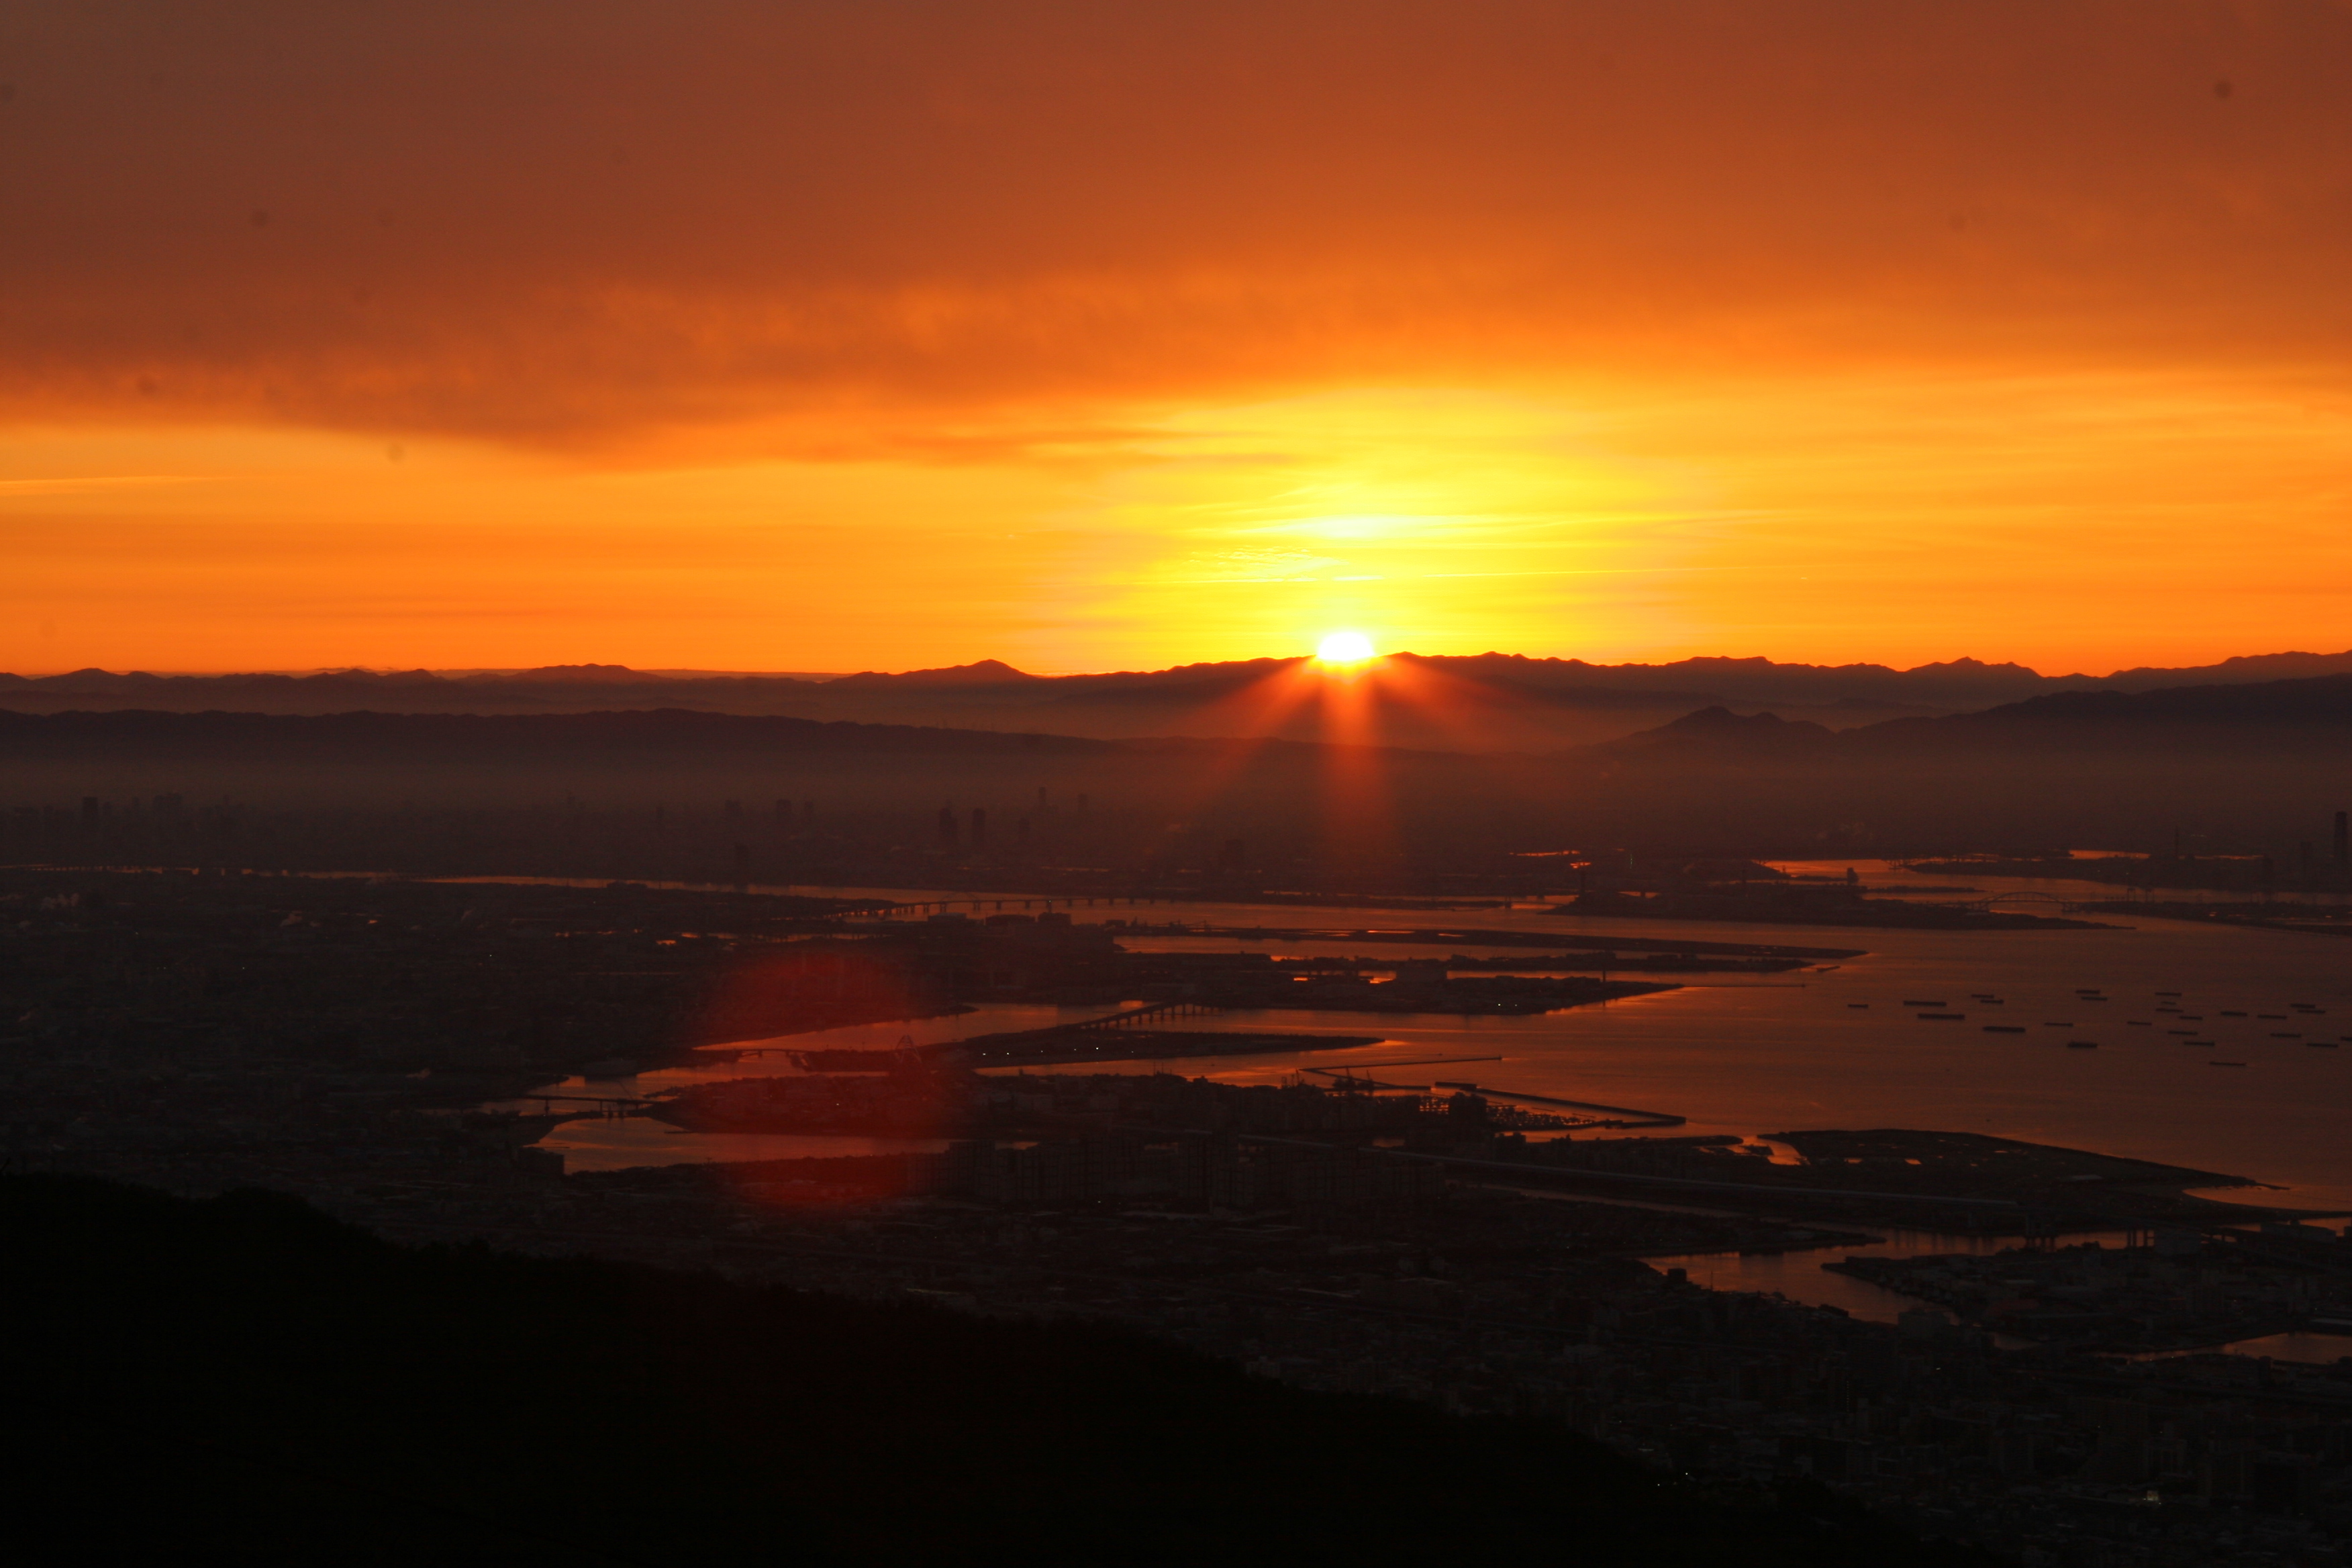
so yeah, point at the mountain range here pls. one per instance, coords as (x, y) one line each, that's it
(1486, 702)
(2259, 764)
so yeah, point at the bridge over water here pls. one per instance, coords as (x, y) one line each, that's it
(1143, 1017)
(609, 1105)
(2022, 903)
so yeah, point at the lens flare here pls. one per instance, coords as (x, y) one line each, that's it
(1344, 647)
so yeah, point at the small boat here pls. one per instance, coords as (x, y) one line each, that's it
(1915, 1002)
(2004, 1028)
(2282, 1034)
(2329, 1044)
(1857, 1003)
(2082, 1045)
(1943, 1014)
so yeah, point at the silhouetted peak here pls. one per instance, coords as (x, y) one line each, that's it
(2322, 699)
(986, 672)
(360, 672)
(1748, 661)
(2238, 669)
(1716, 720)
(561, 673)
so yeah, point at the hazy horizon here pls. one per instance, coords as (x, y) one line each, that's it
(2114, 666)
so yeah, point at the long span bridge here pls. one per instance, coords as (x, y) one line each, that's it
(2022, 903)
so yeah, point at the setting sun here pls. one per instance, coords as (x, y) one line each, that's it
(1344, 647)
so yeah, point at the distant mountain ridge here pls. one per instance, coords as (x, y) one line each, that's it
(1489, 702)
(986, 672)
(2260, 764)
(2240, 669)
(2316, 709)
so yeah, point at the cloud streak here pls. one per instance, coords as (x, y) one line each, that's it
(825, 334)
(594, 222)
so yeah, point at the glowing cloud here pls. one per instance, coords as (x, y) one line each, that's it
(824, 336)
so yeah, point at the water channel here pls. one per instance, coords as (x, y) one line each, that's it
(1834, 1045)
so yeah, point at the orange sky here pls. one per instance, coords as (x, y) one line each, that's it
(881, 333)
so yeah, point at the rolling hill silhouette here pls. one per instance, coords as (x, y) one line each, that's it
(2259, 765)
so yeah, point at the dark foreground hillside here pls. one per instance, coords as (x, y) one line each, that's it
(245, 1380)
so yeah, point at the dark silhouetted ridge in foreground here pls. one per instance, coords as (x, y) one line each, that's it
(246, 1380)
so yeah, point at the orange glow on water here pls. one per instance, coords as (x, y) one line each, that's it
(798, 989)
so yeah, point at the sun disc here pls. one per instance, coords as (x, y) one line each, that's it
(1344, 647)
